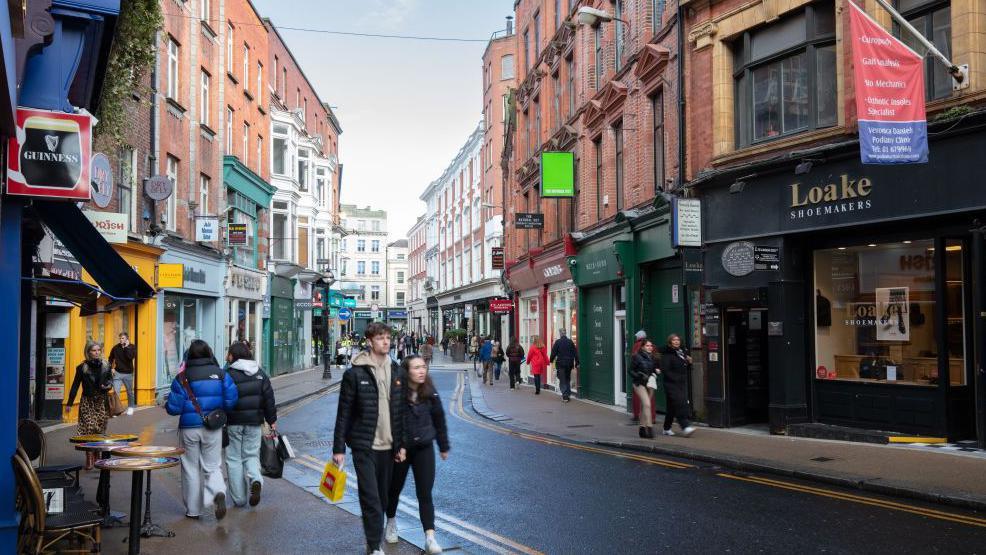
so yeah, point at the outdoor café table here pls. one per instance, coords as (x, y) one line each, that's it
(148, 528)
(137, 465)
(104, 445)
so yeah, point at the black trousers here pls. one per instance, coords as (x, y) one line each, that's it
(514, 370)
(374, 470)
(421, 460)
(679, 408)
(537, 384)
(565, 381)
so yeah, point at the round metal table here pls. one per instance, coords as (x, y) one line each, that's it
(138, 466)
(148, 528)
(104, 445)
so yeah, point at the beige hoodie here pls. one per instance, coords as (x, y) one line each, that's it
(383, 438)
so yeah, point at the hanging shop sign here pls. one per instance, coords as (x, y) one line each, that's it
(111, 225)
(496, 262)
(236, 234)
(170, 276)
(501, 306)
(102, 180)
(206, 229)
(558, 174)
(349, 303)
(49, 155)
(889, 81)
(526, 220)
(158, 187)
(687, 228)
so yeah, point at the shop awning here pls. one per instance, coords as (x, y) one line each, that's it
(116, 279)
(88, 297)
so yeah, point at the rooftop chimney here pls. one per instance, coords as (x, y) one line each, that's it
(510, 25)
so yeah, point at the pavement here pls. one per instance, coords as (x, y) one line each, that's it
(932, 475)
(285, 511)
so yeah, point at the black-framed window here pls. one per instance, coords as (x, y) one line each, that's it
(657, 109)
(784, 76)
(598, 144)
(618, 140)
(933, 19)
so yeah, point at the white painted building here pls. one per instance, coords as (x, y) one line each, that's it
(397, 283)
(363, 261)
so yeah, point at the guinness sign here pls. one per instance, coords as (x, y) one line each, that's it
(49, 155)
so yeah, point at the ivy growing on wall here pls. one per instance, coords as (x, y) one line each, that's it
(131, 56)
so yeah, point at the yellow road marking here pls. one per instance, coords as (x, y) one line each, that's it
(456, 408)
(891, 505)
(443, 521)
(916, 439)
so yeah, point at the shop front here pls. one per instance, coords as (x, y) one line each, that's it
(851, 302)
(280, 329)
(189, 311)
(306, 342)
(244, 307)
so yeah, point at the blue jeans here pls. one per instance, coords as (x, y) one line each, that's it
(243, 461)
(496, 369)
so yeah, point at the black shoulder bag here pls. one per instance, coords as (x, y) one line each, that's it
(216, 419)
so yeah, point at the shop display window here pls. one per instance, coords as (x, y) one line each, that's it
(876, 315)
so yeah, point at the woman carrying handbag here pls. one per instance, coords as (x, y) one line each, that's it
(97, 381)
(644, 371)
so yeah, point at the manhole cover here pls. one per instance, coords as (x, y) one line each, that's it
(823, 459)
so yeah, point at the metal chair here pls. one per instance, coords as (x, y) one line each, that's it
(40, 531)
(31, 437)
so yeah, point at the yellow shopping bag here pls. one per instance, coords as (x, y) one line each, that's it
(333, 483)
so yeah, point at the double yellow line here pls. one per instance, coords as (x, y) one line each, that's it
(873, 502)
(456, 408)
(444, 522)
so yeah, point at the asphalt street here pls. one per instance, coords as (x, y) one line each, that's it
(506, 491)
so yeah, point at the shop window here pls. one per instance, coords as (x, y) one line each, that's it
(876, 314)
(783, 75)
(180, 325)
(933, 19)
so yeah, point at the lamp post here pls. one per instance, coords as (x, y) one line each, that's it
(326, 281)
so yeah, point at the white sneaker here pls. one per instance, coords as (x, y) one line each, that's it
(668, 433)
(390, 533)
(687, 432)
(377, 552)
(431, 545)
(130, 411)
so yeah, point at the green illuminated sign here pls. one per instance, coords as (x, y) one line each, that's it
(557, 174)
(349, 303)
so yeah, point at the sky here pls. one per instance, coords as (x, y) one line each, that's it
(405, 106)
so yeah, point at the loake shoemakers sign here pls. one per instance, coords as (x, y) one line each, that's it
(49, 155)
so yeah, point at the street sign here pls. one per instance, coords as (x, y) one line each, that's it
(497, 258)
(558, 174)
(236, 234)
(102, 180)
(158, 187)
(526, 220)
(349, 303)
(345, 314)
(49, 155)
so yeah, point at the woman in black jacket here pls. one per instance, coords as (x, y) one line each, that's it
(643, 365)
(515, 357)
(96, 379)
(254, 406)
(675, 365)
(424, 423)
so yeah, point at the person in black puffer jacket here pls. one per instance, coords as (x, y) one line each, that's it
(254, 407)
(675, 365)
(370, 420)
(424, 424)
(643, 365)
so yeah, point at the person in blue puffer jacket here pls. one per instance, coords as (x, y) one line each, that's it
(201, 464)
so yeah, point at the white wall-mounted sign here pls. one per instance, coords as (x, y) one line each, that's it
(687, 219)
(111, 225)
(207, 229)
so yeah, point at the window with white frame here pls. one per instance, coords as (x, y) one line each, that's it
(320, 186)
(229, 48)
(376, 225)
(172, 76)
(467, 275)
(229, 131)
(171, 210)
(280, 235)
(374, 292)
(260, 153)
(127, 184)
(400, 277)
(361, 245)
(260, 80)
(476, 219)
(205, 112)
(204, 185)
(246, 66)
(361, 267)
(204, 16)
(375, 267)
(399, 301)
(280, 150)
(246, 143)
(375, 246)
(303, 165)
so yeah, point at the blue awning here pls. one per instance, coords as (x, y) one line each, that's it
(116, 278)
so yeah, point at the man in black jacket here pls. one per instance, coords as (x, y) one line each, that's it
(565, 357)
(370, 421)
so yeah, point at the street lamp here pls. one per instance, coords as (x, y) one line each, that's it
(327, 279)
(592, 17)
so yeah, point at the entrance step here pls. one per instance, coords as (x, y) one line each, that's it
(840, 433)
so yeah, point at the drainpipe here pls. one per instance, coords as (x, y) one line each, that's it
(152, 168)
(681, 97)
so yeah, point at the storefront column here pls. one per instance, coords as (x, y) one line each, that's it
(788, 402)
(11, 212)
(979, 310)
(627, 254)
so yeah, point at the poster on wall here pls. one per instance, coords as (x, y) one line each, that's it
(892, 323)
(889, 80)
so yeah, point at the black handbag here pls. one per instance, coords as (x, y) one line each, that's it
(216, 419)
(271, 463)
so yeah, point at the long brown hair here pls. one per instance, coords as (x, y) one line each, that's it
(425, 390)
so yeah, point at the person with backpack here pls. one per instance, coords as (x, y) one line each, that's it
(370, 421)
(424, 425)
(254, 406)
(197, 392)
(515, 357)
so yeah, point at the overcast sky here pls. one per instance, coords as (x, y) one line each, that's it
(405, 106)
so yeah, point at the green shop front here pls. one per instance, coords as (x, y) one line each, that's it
(629, 277)
(280, 341)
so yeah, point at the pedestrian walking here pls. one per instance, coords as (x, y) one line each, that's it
(674, 366)
(643, 368)
(370, 421)
(565, 357)
(639, 338)
(94, 375)
(198, 390)
(445, 345)
(428, 351)
(254, 406)
(498, 359)
(424, 424)
(515, 357)
(122, 357)
(474, 346)
(537, 358)
(486, 359)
